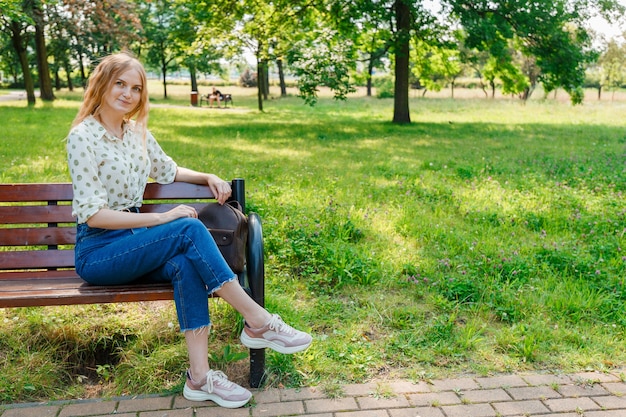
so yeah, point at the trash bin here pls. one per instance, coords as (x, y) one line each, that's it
(194, 98)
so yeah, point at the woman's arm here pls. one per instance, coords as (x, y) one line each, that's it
(113, 219)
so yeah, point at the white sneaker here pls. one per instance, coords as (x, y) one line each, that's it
(277, 335)
(217, 388)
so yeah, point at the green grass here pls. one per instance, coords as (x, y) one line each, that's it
(487, 236)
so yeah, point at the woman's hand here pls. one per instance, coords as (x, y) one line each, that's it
(220, 188)
(179, 212)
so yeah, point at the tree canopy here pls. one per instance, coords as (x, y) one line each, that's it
(513, 45)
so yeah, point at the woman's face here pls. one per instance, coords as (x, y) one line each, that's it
(124, 93)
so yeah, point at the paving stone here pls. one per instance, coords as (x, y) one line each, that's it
(90, 408)
(370, 402)
(362, 390)
(145, 404)
(525, 408)
(416, 412)
(35, 411)
(472, 410)
(330, 405)
(533, 393)
(485, 396)
(267, 396)
(572, 404)
(595, 376)
(617, 388)
(546, 379)
(582, 390)
(504, 381)
(221, 412)
(278, 409)
(453, 384)
(607, 413)
(298, 394)
(182, 412)
(611, 402)
(363, 413)
(434, 399)
(408, 387)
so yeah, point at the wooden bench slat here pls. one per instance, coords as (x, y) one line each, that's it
(180, 191)
(37, 292)
(36, 259)
(34, 236)
(63, 192)
(60, 275)
(36, 214)
(35, 192)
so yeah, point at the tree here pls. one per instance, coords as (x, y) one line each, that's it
(15, 23)
(552, 32)
(612, 66)
(36, 10)
(436, 66)
(323, 59)
(200, 35)
(93, 29)
(159, 21)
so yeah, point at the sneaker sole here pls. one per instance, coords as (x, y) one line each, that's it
(194, 395)
(258, 343)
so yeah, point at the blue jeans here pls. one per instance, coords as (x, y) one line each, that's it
(182, 252)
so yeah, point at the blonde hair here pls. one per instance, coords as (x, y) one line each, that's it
(103, 77)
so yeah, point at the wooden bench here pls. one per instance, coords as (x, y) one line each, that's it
(37, 236)
(226, 98)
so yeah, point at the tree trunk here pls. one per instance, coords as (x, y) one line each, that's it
(68, 72)
(281, 78)
(401, 113)
(19, 44)
(194, 80)
(164, 70)
(45, 81)
(259, 82)
(81, 66)
(266, 79)
(370, 73)
(57, 79)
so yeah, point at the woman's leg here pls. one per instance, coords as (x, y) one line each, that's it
(253, 314)
(198, 349)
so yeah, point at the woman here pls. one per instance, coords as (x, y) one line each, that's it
(111, 154)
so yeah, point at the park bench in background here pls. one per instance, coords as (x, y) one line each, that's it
(37, 236)
(226, 98)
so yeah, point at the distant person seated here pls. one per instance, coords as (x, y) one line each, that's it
(215, 97)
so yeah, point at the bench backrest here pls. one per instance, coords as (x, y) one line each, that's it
(37, 230)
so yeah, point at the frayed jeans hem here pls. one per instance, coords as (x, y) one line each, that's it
(235, 277)
(198, 329)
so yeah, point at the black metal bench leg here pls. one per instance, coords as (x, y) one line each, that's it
(256, 280)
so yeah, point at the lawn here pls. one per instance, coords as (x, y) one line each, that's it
(485, 237)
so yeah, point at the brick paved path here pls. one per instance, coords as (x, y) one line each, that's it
(590, 394)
